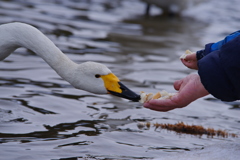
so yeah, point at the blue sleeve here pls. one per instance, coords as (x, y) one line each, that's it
(216, 46)
(220, 71)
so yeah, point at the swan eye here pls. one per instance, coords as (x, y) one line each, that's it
(97, 76)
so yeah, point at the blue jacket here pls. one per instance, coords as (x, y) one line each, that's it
(219, 67)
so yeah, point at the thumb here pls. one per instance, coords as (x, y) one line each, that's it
(177, 84)
(191, 57)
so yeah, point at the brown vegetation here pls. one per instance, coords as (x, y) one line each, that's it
(197, 130)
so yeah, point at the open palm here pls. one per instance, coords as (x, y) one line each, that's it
(189, 89)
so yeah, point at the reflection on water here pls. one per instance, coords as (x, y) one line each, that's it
(43, 117)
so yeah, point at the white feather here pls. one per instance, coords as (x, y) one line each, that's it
(81, 76)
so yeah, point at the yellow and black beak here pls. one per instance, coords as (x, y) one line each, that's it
(116, 88)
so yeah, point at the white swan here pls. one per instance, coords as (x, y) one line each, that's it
(89, 76)
(171, 7)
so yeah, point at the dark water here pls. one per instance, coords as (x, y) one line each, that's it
(43, 117)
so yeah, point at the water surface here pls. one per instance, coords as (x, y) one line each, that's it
(43, 117)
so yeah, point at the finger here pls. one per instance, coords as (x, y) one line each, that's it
(190, 64)
(176, 101)
(187, 62)
(161, 109)
(191, 57)
(177, 84)
(159, 105)
(166, 103)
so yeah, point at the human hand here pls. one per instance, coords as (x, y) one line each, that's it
(190, 88)
(190, 61)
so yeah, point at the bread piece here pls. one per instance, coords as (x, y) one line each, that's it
(149, 97)
(145, 97)
(187, 52)
(157, 95)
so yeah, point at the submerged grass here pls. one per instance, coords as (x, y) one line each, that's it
(197, 130)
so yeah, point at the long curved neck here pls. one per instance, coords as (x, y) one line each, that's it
(15, 35)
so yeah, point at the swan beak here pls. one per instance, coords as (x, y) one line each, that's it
(116, 88)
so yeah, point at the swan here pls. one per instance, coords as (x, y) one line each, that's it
(171, 7)
(89, 76)
(168, 6)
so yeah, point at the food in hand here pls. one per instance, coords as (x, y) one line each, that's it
(185, 54)
(145, 97)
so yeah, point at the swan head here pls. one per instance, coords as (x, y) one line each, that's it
(97, 78)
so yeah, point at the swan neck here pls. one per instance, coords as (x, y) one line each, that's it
(23, 35)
